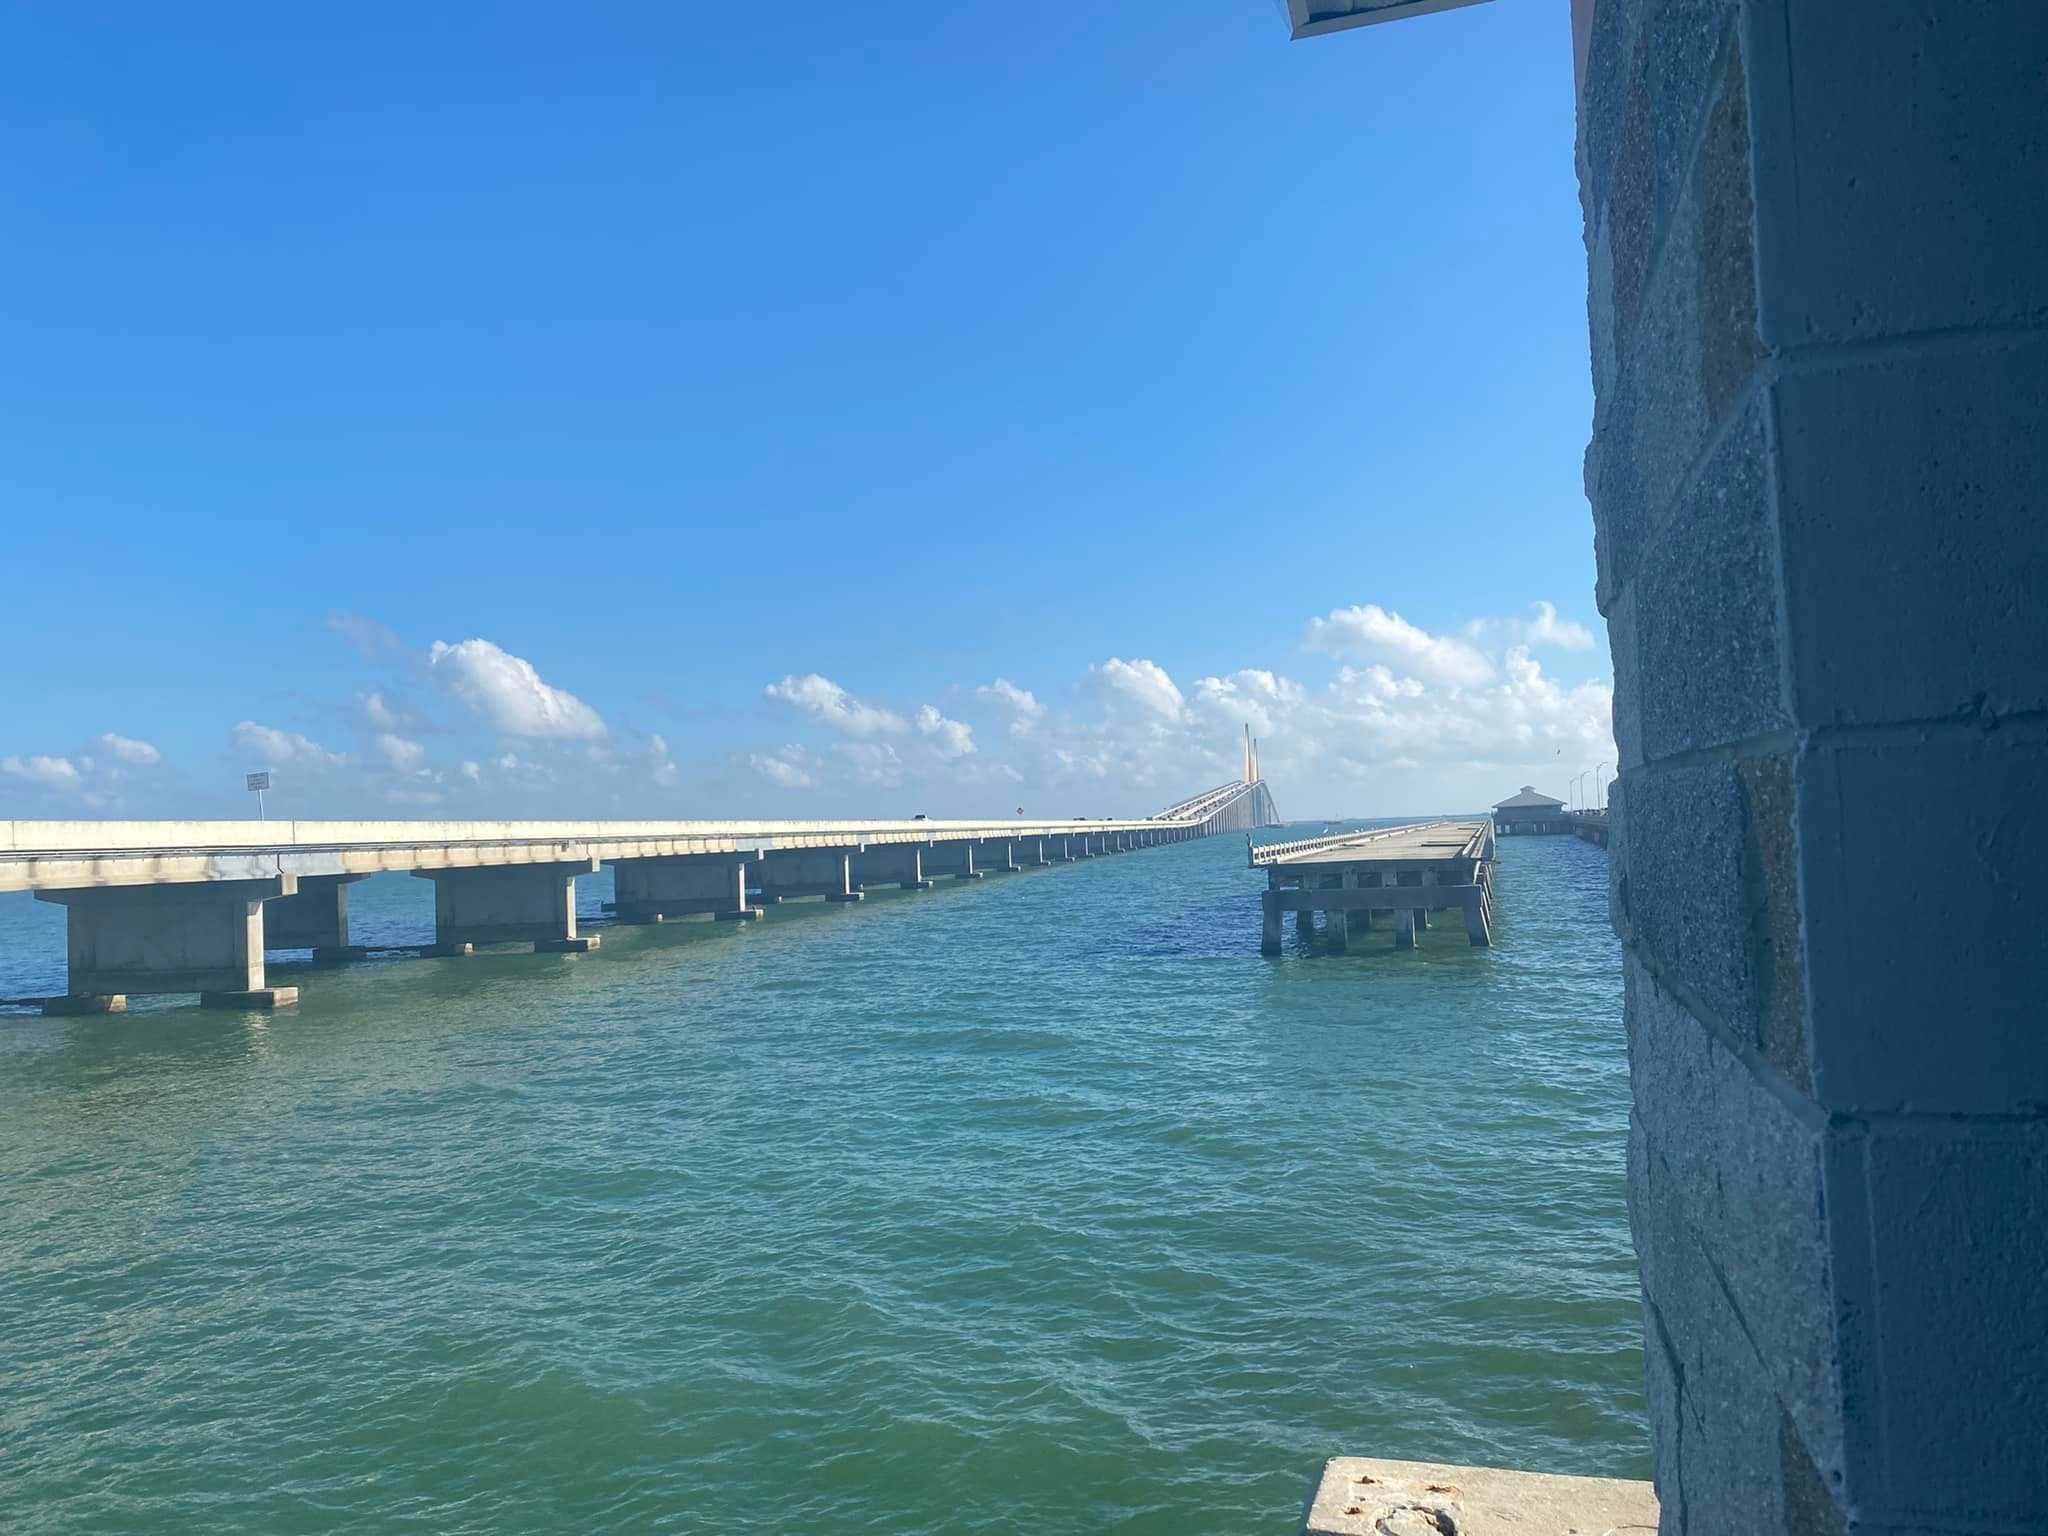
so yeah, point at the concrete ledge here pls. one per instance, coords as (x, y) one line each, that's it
(845, 895)
(751, 914)
(339, 954)
(80, 1003)
(915, 885)
(582, 944)
(446, 951)
(264, 998)
(1364, 1496)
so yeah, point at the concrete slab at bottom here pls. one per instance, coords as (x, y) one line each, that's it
(261, 998)
(582, 944)
(748, 916)
(1365, 1496)
(78, 1003)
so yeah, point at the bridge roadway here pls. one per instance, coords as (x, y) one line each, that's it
(1404, 872)
(192, 906)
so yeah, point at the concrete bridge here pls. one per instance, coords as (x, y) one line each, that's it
(192, 906)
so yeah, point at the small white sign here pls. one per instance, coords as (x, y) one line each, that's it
(258, 781)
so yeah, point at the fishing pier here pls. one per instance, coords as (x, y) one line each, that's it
(1401, 873)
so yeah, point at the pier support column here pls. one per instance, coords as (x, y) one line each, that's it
(1404, 927)
(995, 855)
(955, 859)
(654, 890)
(1059, 849)
(1336, 922)
(1476, 928)
(315, 918)
(1358, 921)
(897, 864)
(1269, 922)
(199, 936)
(1029, 852)
(1422, 913)
(509, 904)
(826, 872)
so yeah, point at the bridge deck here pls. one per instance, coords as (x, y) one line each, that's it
(1403, 872)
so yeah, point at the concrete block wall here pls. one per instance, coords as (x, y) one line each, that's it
(1817, 237)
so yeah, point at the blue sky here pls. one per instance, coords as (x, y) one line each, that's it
(721, 388)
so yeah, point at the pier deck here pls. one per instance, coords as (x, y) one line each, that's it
(1403, 873)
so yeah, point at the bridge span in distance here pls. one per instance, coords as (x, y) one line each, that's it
(192, 906)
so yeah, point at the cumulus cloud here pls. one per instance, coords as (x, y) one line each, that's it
(274, 748)
(1547, 628)
(1023, 707)
(825, 701)
(950, 737)
(1143, 683)
(52, 773)
(1368, 632)
(372, 641)
(664, 771)
(139, 754)
(399, 754)
(787, 768)
(506, 691)
(872, 762)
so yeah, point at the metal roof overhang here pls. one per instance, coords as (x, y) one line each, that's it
(1312, 18)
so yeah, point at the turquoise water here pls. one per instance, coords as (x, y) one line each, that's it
(1041, 1203)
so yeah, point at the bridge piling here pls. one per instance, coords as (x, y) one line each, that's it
(194, 936)
(509, 904)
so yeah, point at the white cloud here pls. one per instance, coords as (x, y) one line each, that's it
(508, 692)
(1547, 628)
(400, 755)
(473, 772)
(1370, 633)
(951, 737)
(55, 773)
(873, 762)
(824, 700)
(788, 768)
(664, 772)
(138, 753)
(372, 641)
(1024, 709)
(1143, 683)
(273, 748)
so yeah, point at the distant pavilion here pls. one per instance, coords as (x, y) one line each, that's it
(1529, 812)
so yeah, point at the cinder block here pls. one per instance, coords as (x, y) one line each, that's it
(1926, 932)
(1678, 883)
(1741, 1167)
(1899, 180)
(1717, 1456)
(1916, 543)
(1690, 361)
(1706, 607)
(1953, 1314)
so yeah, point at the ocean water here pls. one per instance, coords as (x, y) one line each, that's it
(1037, 1204)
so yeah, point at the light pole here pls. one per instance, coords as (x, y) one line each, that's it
(1600, 783)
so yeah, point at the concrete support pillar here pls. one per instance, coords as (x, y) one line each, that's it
(1358, 921)
(1422, 913)
(792, 872)
(1269, 922)
(509, 904)
(1029, 852)
(202, 936)
(995, 855)
(1477, 930)
(1060, 849)
(1337, 924)
(952, 858)
(1819, 316)
(655, 890)
(315, 917)
(897, 864)
(1404, 927)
